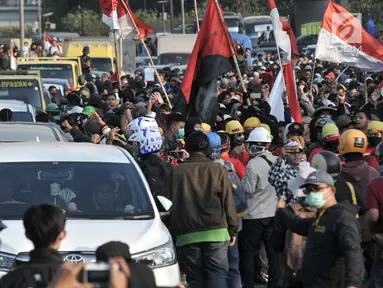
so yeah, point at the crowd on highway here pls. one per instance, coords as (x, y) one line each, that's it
(255, 199)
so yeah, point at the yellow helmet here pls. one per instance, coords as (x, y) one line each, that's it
(330, 129)
(234, 127)
(353, 141)
(267, 127)
(206, 128)
(252, 122)
(375, 126)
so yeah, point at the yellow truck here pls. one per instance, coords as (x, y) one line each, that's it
(62, 68)
(24, 86)
(101, 52)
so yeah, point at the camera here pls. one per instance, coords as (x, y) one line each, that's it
(96, 273)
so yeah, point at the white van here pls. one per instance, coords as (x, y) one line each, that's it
(105, 197)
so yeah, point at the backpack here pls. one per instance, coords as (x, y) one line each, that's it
(295, 244)
(238, 194)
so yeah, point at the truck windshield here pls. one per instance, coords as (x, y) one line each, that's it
(27, 91)
(178, 58)
(60, 71)
(91, 190)
(102, 64)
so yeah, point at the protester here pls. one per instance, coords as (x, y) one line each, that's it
(45, 227)
(204, 230)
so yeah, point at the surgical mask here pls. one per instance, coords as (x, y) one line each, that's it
(198, 129)
(180, 134)
(316, 199)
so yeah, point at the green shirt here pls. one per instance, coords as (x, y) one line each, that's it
(217, 235)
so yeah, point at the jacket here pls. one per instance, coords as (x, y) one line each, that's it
(260, 195)
(43, 262)
(156, 172)
(202, 197)
(330, 237)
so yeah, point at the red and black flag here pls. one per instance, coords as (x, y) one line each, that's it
(211, 57)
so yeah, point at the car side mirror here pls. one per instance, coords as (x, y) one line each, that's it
(165, 202)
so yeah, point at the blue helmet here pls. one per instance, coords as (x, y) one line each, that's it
(146, 133)
(215, 141)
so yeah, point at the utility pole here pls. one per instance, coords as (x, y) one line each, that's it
(171, 16)
(21, 26)
(40, 21)
(183, 15)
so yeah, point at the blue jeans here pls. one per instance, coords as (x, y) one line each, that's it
(234, 277)
(206, 264)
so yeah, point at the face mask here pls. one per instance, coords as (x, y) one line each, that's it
(180, 134)
(239, 139)
(198, 129)
(316, 199)
(253, 150)
(374, 141)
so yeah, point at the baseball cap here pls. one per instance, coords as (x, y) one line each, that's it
(296, 127)
(318, 177)
(54, 39)
(263, 68)
(88, 110)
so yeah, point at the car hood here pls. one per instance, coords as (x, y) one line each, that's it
(87, 235)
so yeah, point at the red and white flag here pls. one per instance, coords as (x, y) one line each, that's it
(126, 21)
(342, 39)
(110, 13)
(283, 34)
(275, 99)
(47, 41)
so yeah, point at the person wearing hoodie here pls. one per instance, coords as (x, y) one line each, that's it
(261, 200)
(357, 172)
(334, 234)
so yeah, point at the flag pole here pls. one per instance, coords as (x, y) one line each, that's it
(196, 14)
(148, 52)
(117, 58)
(232, 50)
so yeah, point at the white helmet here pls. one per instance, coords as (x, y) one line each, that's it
(146, 133)
(259, 134)
(257, 141)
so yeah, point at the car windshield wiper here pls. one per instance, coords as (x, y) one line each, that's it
(136, 217)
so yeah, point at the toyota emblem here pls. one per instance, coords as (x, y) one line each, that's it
(73, 258)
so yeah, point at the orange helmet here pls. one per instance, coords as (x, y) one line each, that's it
(353, 141)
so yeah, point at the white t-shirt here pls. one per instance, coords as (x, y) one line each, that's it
(54, 49)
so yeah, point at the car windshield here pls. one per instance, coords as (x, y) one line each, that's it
(179, 58)
(60, 71)
(102, 64)
(86, 190)
(27, 91)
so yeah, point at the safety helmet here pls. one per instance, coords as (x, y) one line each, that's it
(327, 161)
(206, 128)
(379, 153)
(215, 141)
(145, 132)
(375, 126)
(258, 141)
(353, 141)
(321, 121)
(252, 123)
(52, 107)
(259, 134)
(330, 129)
(375, 132)
(267, 127)
(234, 127)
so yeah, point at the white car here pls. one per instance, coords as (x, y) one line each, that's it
(20, 111)
(105, 197)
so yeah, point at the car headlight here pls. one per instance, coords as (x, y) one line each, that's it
(6, 261)
(158, 257)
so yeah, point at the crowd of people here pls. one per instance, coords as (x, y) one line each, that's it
(255, 200)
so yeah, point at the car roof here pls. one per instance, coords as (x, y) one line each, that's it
(29, 131)
(61, 152)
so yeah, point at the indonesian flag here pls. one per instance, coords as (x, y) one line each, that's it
(110, 14)
(283, 34)
(47, 42)
(342, 39)
(126, 21)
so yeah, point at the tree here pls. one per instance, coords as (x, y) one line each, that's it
(373, 8)
(93, 25)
